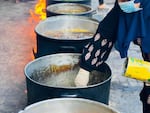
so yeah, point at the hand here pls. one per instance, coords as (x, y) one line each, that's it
(136, 5)
(82, 78)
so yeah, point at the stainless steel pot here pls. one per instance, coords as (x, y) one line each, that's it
(69, 9)
(68, 105)
(42, 84)
(66, 23)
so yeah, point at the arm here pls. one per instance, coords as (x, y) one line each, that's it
(97, 50)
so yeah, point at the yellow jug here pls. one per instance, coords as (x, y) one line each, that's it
(137, 69)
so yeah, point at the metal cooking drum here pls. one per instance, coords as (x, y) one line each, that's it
(64, 33)
(45, 82)
(69, 9)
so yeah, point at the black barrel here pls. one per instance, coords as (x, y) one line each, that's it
(37, 91)
(53, 37)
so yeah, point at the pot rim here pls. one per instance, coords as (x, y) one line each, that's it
(51, 6)
(63, 87)
(59, 17)
(72, 99)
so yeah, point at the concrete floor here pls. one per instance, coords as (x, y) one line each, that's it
(16, 42)
(17, 39)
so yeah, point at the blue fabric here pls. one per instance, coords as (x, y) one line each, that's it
(132, 26)
(137, 1)
(145, 4)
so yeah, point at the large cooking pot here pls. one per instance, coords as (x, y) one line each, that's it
(64, 33)
(87, 2)
(69, 9)
(68, 105)
(42, 83)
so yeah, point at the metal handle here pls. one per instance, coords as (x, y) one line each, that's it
(67, 49)
(69, 95)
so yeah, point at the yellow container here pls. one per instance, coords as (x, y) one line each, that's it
(137, 69)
